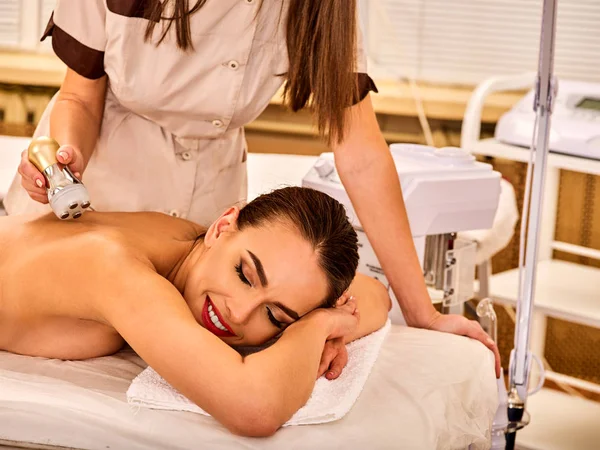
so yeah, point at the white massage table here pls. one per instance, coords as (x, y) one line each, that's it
(427, 390)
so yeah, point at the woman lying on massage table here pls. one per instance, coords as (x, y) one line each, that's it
(180, 296)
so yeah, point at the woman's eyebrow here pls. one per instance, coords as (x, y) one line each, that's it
(259, 269)
(264, 282)
(290, 312)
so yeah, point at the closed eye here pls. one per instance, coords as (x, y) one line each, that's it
(240, 272)
(273, 320)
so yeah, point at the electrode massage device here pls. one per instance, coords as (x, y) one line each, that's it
(67, 195)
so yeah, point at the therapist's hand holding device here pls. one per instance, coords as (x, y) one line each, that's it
(32, 178)
(67, 196)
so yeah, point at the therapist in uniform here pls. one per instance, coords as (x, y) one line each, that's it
(152, 109)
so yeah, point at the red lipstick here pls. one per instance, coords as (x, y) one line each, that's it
(208, 323)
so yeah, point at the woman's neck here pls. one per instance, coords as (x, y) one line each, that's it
(180, 271)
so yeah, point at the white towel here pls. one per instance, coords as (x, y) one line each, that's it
(329, 401)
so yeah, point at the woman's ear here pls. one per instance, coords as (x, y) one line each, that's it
(226, 222)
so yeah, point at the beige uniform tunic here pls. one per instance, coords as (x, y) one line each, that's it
(172, 136)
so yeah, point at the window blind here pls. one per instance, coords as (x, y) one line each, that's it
(10, 23)
(466, 41)
(22, 23)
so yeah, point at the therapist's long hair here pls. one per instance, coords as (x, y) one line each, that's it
(321, 42)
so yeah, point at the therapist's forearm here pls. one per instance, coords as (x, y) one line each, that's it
(76, 118)
(370, 178)
(73, 124)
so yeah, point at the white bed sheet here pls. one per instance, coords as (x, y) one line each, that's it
(427, 391)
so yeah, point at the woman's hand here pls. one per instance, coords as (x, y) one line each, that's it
(455, 324)
(34, 182)
(343, 320)
(339, 322)
(334, 359)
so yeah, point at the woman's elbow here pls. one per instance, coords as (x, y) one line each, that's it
(254, 424)
(252, 407)
(254, 413)
(259, 429)
(381, 295)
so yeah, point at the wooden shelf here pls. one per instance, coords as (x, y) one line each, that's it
(31, 69)
(439, 102)
(394, 98)
(307, 130)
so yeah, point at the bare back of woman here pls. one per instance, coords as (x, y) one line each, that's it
(47, 276)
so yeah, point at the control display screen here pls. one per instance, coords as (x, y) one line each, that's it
(589, 103)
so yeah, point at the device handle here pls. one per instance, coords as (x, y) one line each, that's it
(42, 152)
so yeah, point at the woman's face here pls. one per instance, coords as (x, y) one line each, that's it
(247, 286)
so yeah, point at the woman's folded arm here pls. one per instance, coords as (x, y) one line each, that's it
(251, 396)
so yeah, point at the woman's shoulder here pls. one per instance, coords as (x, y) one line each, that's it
(147, 224)
(157, 240)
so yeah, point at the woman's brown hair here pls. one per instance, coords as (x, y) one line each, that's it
(321, 43)
(321, 220)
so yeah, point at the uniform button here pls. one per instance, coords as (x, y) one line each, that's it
(186, 156)
(233, 64)
(217, 123)
(174, 213)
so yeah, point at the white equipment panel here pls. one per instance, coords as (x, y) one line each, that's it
(575, 128)
(445, 190)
